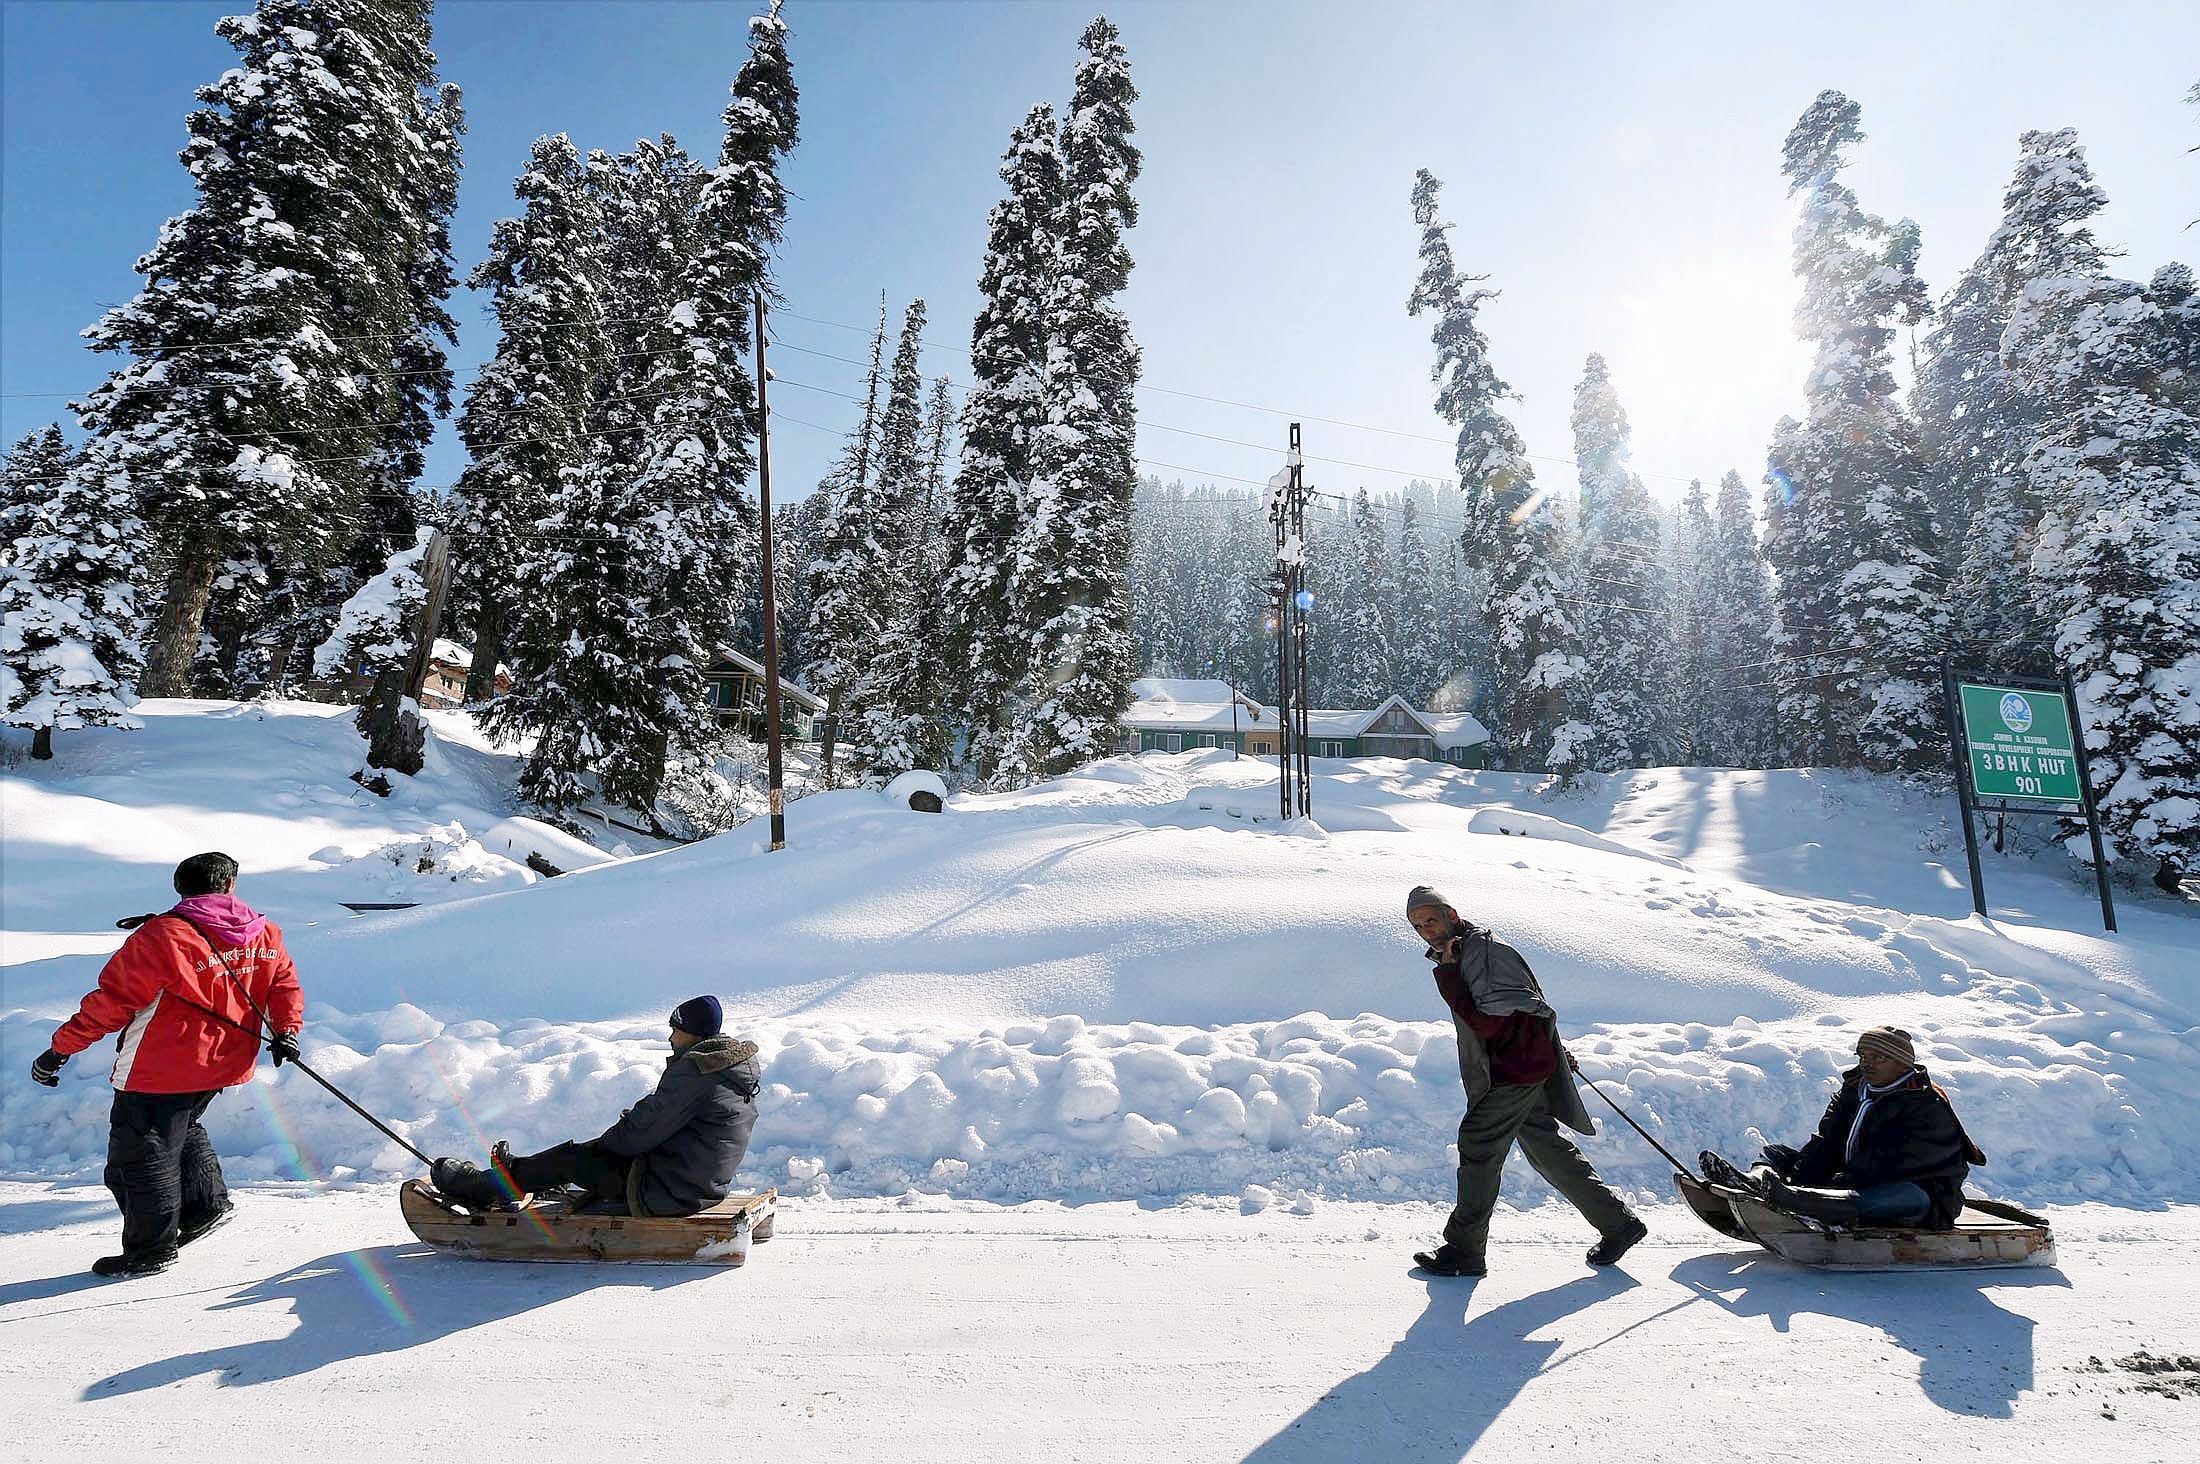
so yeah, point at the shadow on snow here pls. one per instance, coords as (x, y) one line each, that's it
(383, 1299)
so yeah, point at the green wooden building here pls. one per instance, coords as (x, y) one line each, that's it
(1171, 714)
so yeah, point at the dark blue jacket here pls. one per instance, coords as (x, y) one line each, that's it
(689, 1136)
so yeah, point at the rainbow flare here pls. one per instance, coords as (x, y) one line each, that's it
(308, 1168)
(466, 1117)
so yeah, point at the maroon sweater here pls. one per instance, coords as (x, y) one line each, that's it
(1521, 1049)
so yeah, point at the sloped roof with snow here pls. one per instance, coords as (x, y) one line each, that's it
(1184, 704)
(1179, 704)
(726, 655)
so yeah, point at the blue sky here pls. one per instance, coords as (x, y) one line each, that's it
(1614, 169)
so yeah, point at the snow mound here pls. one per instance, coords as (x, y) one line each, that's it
(1122, 983)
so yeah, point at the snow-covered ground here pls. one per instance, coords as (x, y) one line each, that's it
(1127, 983)
(1118, 1095)
(943, 1331)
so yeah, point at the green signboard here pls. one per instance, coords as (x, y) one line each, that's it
(2019, 743)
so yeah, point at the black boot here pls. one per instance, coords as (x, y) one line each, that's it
(471, 1185)
(143, 1263)
(211, 1221)
(1607, 1251)
(1826, 1206)
(1448, 1260)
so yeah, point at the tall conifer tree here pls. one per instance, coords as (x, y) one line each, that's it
(1858, 548)
(1512, 537)
(1069, 597)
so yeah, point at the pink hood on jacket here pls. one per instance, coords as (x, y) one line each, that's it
(224, 917)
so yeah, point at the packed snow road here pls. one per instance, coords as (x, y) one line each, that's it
(958, 1331)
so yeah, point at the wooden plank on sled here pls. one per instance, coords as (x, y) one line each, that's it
(548, 1230)
(1989, 1233)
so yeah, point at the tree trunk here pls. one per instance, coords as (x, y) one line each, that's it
(42, 744)
(481, 677)
(176, 631)
(396, 738)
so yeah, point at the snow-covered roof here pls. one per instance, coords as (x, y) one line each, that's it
(1176, 704)
(1186, 704)
(756, 669)
(459, 658)
(1455, 729)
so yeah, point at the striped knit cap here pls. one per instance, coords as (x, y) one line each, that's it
(1887, 1042)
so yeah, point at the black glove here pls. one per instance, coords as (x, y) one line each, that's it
(46, 1068)
(283, 1047)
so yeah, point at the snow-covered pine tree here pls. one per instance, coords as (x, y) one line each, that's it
(697, 450)
(1359, 646)
(1871, 621)
(1069, 595)
(1742, 690)
(1977, 419)
(68, 648)
(1623, 602)
(837, 582)
(2116, 469)
(581, 686)
(939, 432)
(1421, 642)
(1511, 537)
(238, 380)
(30, 477)
(1693, 588)
(526, 419)
(1002, 416)
(894, 703)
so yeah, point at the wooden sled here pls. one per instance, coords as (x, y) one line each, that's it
(545, 1229)
(1988, 1233)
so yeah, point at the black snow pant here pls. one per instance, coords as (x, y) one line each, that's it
(161, 1168)
(587, 1164)
(1520, 1113)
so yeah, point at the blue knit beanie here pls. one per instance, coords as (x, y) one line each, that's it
(699, 1016)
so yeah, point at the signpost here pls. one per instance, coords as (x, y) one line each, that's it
(2014, 746)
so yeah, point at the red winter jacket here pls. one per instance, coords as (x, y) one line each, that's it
(147, 990)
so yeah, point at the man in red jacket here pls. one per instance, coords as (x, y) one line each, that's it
(187, 992)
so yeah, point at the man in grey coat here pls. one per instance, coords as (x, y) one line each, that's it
(673, 1153)
(1520, 1088)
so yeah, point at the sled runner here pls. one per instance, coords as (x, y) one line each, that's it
(1987, 1233)
(546, 1229)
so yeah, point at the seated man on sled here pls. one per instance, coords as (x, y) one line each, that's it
(1889, 1151)
(673, 1153)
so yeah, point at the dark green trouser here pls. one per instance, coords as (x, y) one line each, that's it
(1507, 1113)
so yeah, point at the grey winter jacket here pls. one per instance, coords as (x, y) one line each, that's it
(689, 1136)
(1499, 982)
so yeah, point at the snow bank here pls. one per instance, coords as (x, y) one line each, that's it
(1356, 1109)
(1126, 982)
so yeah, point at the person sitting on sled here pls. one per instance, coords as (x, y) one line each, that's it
(1889, 1150)
(673, 1153)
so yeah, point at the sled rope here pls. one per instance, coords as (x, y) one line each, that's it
(1678, 1167)
(261, 1035)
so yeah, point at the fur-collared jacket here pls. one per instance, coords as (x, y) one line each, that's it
(689, 1136)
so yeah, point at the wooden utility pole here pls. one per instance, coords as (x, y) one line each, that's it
(777, 789)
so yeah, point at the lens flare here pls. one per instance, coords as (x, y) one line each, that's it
(1781, 483)
(1531, 503)
(466, 1118)
(307, 1167)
